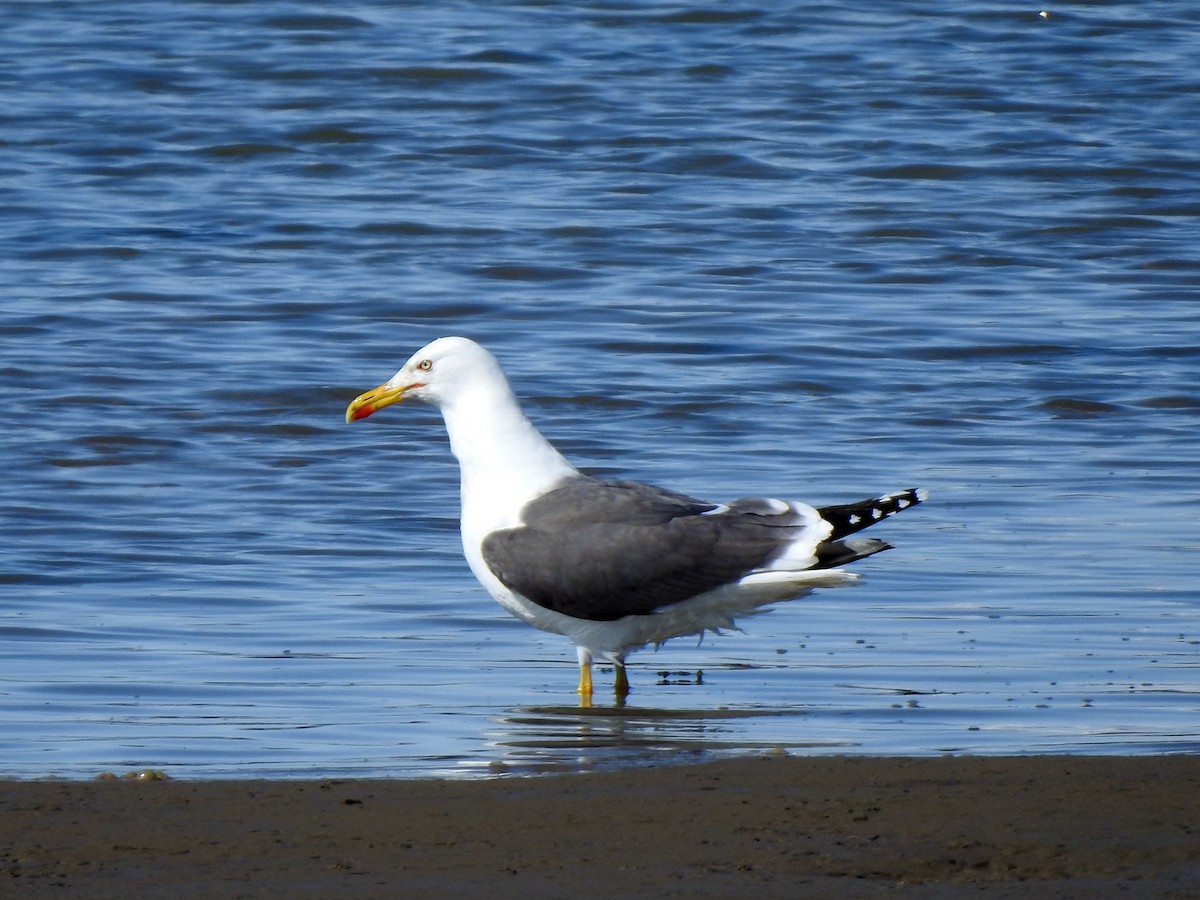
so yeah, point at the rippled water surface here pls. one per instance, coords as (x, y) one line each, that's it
(807, 250)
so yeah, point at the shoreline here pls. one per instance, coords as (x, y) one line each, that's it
(1029, 826)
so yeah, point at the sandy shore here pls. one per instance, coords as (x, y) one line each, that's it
(774, 827)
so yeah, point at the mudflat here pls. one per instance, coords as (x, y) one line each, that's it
(846, 827)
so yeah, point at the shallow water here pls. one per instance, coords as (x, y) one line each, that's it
(815, 253)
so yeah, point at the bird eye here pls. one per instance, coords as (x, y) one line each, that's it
(425, 365)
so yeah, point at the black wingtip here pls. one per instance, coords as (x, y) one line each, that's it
(831, 554)
(847, 518)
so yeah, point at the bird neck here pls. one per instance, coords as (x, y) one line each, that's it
(504, 461)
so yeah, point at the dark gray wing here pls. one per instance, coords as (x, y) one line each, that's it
(601, 550)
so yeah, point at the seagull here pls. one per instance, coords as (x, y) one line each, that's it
(613, 565)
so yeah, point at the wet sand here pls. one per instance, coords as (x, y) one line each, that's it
(766, 827)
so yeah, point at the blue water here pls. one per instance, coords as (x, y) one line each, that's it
(804, 250)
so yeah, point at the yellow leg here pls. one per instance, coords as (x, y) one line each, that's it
(621, 682)
(585, 681)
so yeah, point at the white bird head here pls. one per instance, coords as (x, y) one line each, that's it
(439, 373)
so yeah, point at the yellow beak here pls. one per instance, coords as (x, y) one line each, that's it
(375, 399)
